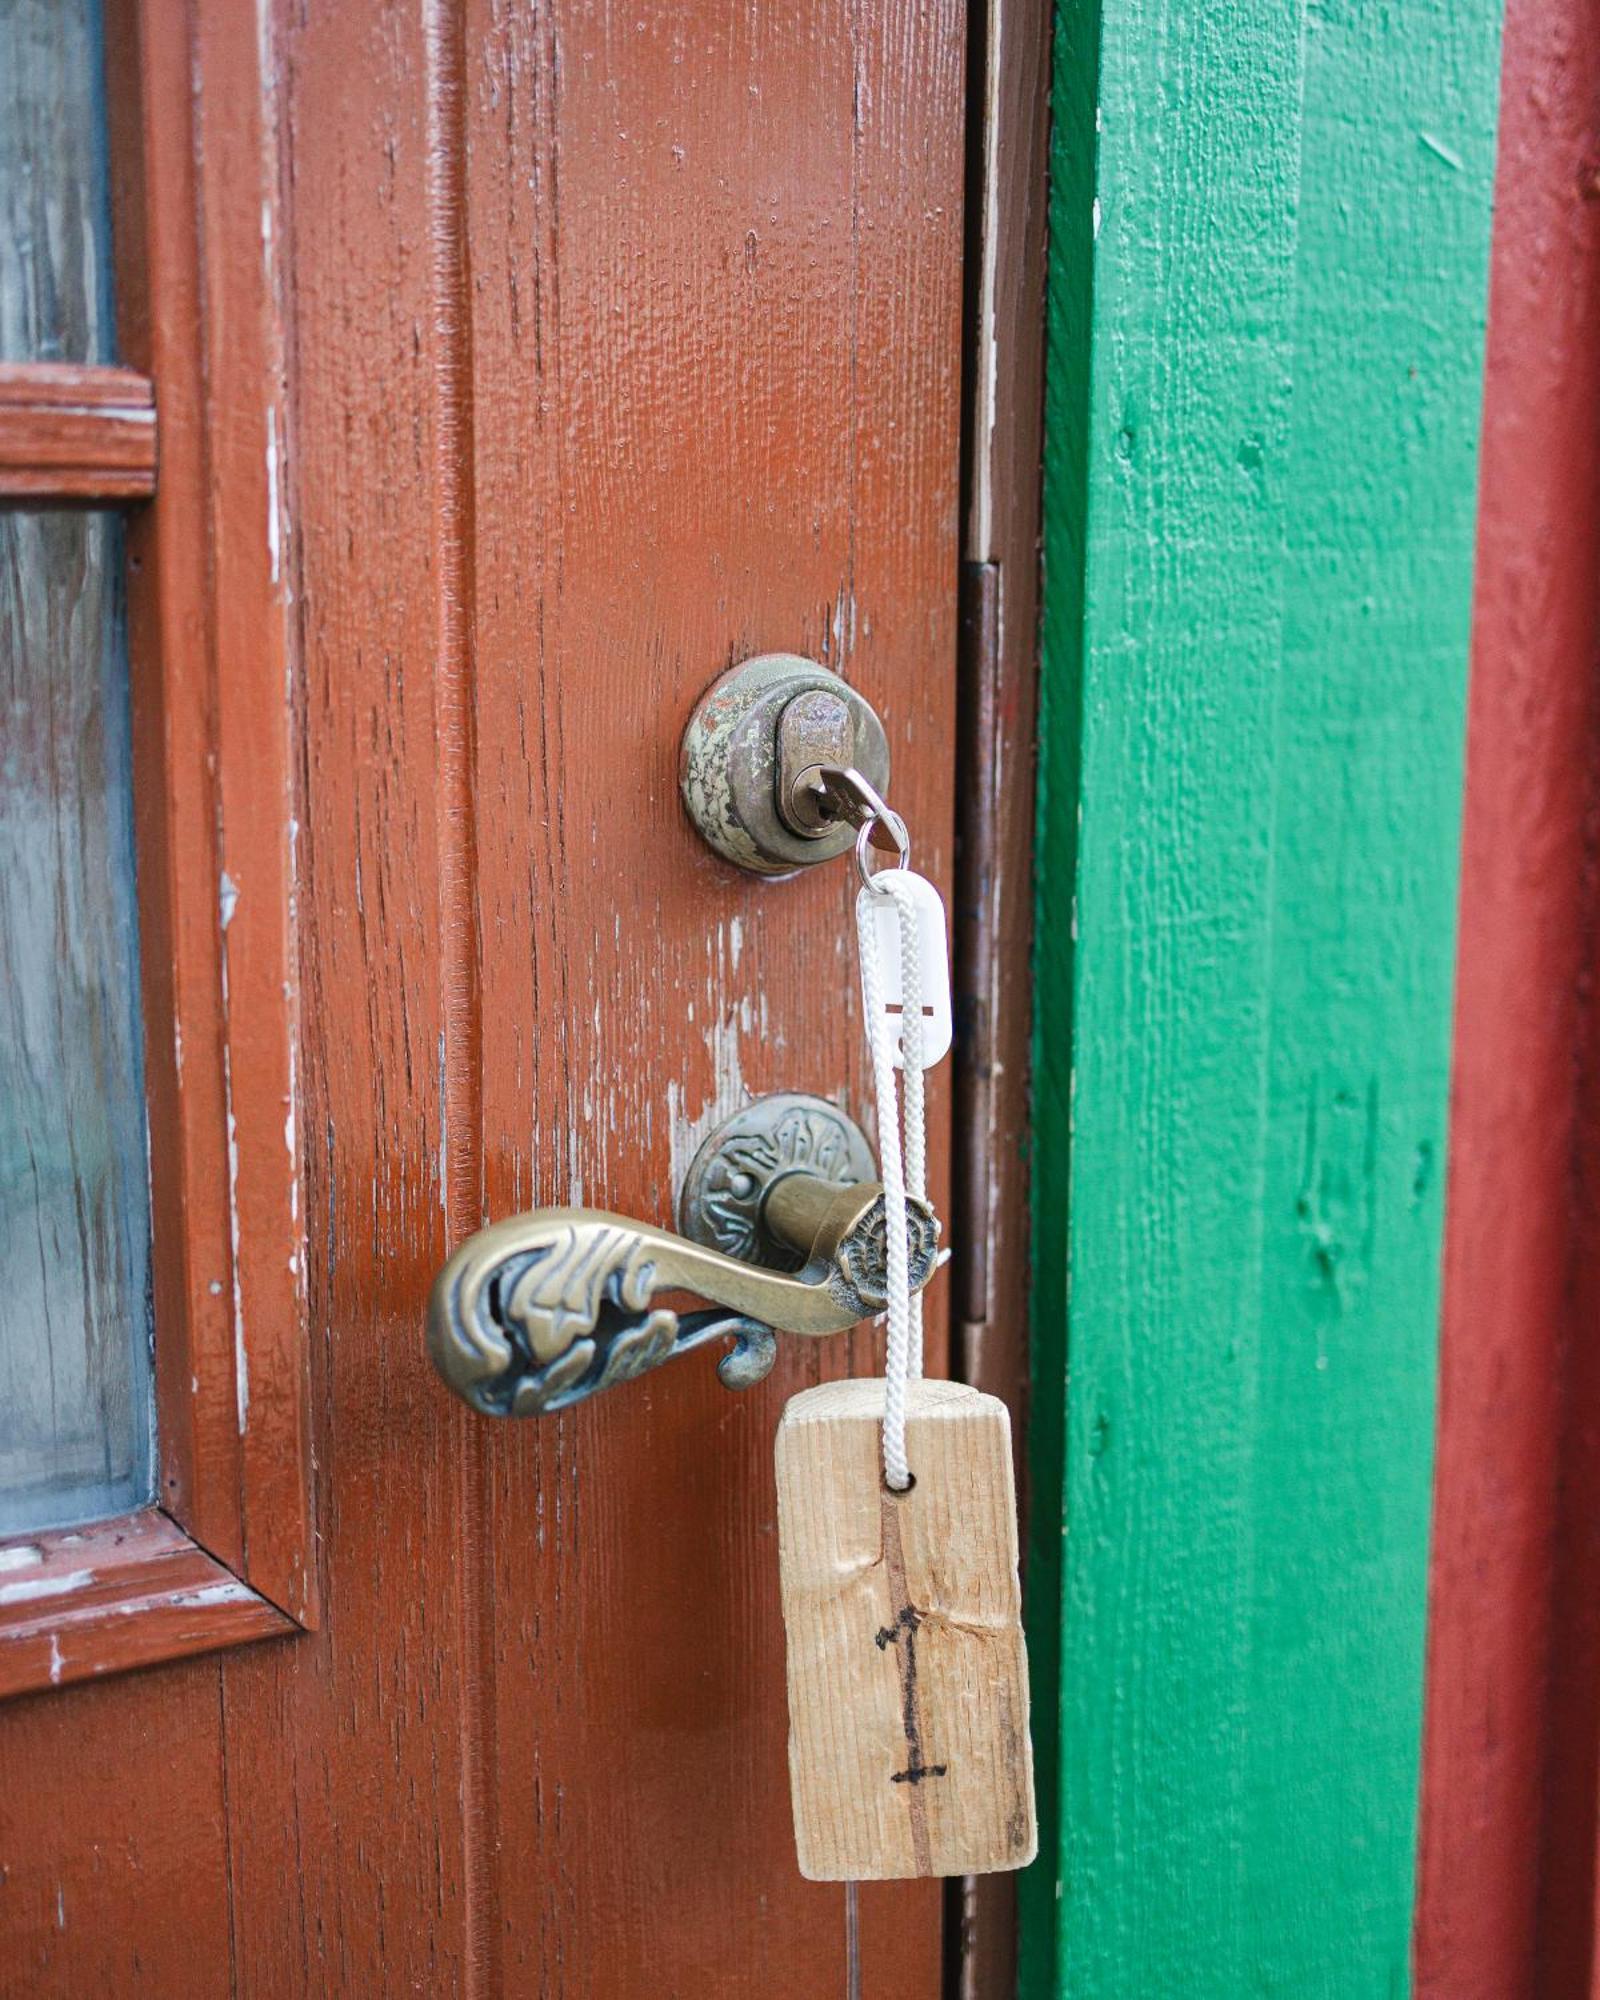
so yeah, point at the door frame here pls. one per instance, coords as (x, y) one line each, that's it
(1007, 197)
(1268, 297)
(187, 439)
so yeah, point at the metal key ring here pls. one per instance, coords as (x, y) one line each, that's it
(890, 822)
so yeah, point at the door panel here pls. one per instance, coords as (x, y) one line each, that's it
(717, 250)
(622, 344)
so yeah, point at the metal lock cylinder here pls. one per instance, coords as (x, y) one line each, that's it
(754, 758)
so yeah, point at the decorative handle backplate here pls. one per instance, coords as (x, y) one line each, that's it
(538, 1312)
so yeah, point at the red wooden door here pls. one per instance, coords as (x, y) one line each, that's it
(587, 351)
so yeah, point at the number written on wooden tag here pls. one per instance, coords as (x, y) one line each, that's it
(908, 1678)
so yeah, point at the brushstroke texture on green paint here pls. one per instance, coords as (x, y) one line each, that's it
(1269, 271)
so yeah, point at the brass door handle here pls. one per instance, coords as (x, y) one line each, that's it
(536, 1313)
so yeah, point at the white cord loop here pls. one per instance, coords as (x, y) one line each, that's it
(904, 1168)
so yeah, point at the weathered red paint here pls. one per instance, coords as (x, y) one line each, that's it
(1507, 1873)
(75, 433)
(228, 1556)
(615, 349)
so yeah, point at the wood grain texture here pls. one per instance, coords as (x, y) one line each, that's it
(255, 787)
(1508, 1833)
(693, 246)
(1265, 369)
(83, 1602)
(585, 405)
(214, 833)
(992, 927)
(113, 1821)
(113, 1831)
(906, 1669)
(208, 605)
(355, 1868)
(76, 433)
(992, 918)
(114, 1839)
(616, 352)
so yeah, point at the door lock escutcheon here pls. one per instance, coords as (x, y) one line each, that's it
(766, 760)
(783, 1232)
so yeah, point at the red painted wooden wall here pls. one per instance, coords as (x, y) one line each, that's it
(1512, 1763)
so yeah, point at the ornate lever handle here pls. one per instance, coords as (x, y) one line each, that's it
(540, 1311)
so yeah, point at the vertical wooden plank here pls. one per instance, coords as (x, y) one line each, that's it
(350, 1751)
(1504, 1899)
(908, 1706)
(1266, 365)
(1072, 228)
(236, 138)
(107, 1787)
(113, 1845)
(715, 346)
(160, 311)
(1179, 354)
(992, 919)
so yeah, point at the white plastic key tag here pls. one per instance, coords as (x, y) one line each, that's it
(933, 953)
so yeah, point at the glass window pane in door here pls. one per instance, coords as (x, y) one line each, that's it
(75, 1399)
(55, 210)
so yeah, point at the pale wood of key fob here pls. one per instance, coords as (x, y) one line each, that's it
(908, 1679)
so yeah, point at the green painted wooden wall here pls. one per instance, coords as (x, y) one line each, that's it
(1270, 224)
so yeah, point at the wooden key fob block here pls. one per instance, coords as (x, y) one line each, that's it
(908, 1674)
